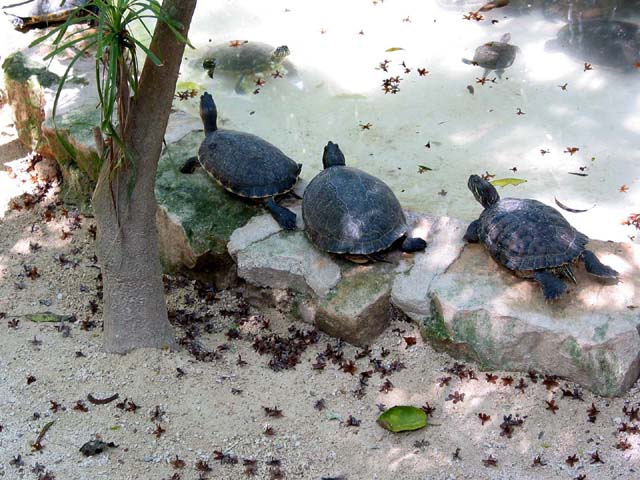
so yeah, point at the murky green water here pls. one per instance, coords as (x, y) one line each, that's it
(337, 94)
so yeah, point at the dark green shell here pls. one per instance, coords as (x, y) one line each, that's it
(495, 55)
(248, 57)
(348, 211)
(524, 234)
(247, 165)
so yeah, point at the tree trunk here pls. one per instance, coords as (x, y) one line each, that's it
(135, 312)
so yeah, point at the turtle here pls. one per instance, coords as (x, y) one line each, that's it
(245, 164)
(610, 43)
(494, 56)
(41, 13)
(350, 212)
(246, 59)
(531, 239)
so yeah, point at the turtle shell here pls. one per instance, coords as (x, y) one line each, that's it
(346, 210)
(524, 234)
(32, 12)
(247, 165)
(248, 57)
(495, 55)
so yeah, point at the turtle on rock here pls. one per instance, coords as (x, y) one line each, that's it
(245, 164)
(531, 239)
(246, 59)
(494, 56)
(42, 13)
(350, 212)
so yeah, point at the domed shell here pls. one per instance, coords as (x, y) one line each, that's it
(247, 165)
(495, 55)
(525, 234)
(346, 210)
(247, 57)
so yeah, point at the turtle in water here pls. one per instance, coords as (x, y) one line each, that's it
(531, 239)
(41, 13)
(347, 211)
(245, 164)
(247, 59)
(610, 43)
(494, 56)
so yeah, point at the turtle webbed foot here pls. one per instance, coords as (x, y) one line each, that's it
(552, 286)
(285, 217)
(413, 244)
(597, 268)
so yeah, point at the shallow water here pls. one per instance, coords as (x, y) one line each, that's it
(337, 46)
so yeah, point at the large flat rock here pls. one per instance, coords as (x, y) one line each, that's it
(591, 336)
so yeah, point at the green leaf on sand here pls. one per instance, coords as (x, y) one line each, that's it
(402, 418)
(394, 49)
(501, 182)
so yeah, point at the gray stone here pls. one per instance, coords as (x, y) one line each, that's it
(480, 310)
(444, 244)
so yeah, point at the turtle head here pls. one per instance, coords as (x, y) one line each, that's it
(280, 53)
(332, 156)
(208, 113)
(484, 192)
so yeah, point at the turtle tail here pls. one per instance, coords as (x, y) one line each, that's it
(208, 113)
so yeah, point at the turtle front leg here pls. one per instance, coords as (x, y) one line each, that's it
(552, 286)
(285, 217)
(413, 244)
(471, 234)
(242, 85)
(595, 267)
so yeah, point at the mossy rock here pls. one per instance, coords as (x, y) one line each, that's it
(195, 207)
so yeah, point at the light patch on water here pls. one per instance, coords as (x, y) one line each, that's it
(499, 127)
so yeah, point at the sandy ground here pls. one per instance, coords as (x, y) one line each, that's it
(210, 409)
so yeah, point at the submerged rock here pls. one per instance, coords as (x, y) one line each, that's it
(610, 43)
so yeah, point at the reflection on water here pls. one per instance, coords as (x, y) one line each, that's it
(386, 80)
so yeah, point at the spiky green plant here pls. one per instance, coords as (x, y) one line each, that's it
(116, 68)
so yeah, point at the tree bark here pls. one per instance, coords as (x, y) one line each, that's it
(135, 311)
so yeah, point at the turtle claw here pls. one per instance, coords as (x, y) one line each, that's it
(552, 286)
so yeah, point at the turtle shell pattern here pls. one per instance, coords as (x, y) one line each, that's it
(495, 55)
(346, 210)
(247, 165)
(524, 234)
(250, 57)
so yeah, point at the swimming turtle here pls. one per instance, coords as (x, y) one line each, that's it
(532, 239)
(348, 211)
(40, 13)
(245, 164)
(610, 43)
(246, 59)
(494, 56)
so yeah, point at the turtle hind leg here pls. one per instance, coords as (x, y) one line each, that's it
(413, 244)
(596, 268)
(285, 217)
(471, 235)
(190, 165)
(552, 286)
